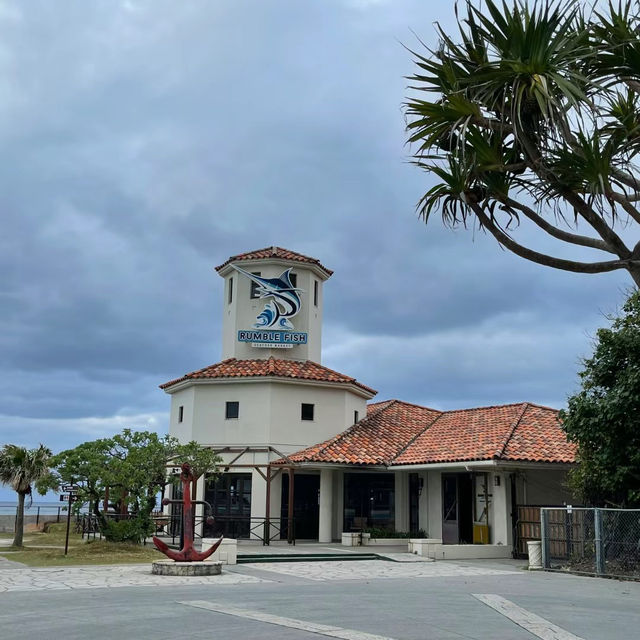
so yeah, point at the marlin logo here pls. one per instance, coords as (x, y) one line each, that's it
(286, 301)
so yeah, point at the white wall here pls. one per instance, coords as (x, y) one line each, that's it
(333, 413)
(251, 428)
(182, 430)
(269, 414)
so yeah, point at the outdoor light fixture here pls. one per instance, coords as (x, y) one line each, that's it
(420, 485)
(496, 480)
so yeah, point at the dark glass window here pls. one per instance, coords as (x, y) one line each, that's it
(230, 290)
(369, 501)
(180, 413)
(230, 497)
(315, 293)
(356, 417)
(254, 286)
(232, 410)
(294, 279)
(306, 412)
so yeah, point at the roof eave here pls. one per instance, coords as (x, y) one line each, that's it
(180, 384)
(504, 465)
(225, 269)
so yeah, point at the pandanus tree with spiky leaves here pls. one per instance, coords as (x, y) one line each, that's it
(533, 112)
(21, 468)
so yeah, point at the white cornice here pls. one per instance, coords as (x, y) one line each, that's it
(309, 266)
(184, 384)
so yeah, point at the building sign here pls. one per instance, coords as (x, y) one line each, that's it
(274, 327)
(273, 339)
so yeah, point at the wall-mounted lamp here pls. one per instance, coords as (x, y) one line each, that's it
(496, 480)
(420, 486)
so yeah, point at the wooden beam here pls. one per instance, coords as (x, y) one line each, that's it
(290, 538)
(266, 538)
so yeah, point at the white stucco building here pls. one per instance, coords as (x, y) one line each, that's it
(274, 412)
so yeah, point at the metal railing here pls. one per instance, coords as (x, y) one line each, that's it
(261, 529)
(170, 526)
(591, 541)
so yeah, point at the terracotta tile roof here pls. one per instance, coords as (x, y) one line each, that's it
(275, 252)
(398, 433)
(539, 437)
(269, 367)
(376, 439)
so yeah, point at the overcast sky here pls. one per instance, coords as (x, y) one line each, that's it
(144, 142)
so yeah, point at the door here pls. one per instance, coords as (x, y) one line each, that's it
(449, 508)
(230, 498)
(457, 508)
(306, 505)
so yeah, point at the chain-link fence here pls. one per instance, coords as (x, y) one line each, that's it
(593, 541)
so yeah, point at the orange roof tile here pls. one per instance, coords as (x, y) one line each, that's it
(376, 439)
(269, 367)
(397, 433)
(275, 252)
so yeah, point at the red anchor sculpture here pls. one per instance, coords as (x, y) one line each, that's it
(187, 553)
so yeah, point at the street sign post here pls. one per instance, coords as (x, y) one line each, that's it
(70, 497)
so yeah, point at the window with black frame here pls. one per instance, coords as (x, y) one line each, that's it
(369, 501)
(230, 499)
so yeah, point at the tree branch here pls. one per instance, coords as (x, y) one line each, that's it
(610, 237)
(544, 259)
(626, 205)
(566, 236)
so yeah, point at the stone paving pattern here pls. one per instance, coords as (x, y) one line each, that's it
(377, 569)
(99, 577)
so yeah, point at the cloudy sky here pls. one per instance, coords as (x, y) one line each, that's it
(145, 141)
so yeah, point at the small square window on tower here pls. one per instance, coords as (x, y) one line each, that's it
(356, 417)
(315, 293)
(180, 413)
(232, 410)
(254, 286)
(306, 412)
(230, 290)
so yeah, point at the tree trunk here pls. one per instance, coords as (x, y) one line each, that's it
(17, 539)
(635, 274)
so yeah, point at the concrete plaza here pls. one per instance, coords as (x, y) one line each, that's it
(354, 600)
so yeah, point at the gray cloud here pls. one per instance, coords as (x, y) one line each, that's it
(145, 142)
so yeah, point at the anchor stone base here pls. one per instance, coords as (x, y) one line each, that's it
(172, 568)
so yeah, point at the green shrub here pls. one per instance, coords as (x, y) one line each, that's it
(130, 530)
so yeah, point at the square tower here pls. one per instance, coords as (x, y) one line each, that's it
(272, 305)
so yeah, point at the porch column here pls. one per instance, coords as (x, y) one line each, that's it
(326, 505)
(197, 493)
(500, 507)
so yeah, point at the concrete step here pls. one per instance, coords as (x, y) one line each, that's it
(247, 558)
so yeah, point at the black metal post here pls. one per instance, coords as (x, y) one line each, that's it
(66, 540)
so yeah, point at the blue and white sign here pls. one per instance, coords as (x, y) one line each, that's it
(273, 339)
(274, 320)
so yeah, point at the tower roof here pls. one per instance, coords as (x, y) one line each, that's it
(278, 253)
(270, 368)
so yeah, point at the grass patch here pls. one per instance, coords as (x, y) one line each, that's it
(36, 554)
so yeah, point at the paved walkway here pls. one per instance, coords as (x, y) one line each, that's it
(111, 576)
(378, 569)
(18, 578)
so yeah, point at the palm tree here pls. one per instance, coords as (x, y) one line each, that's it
(532, 113)
(20, 468)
